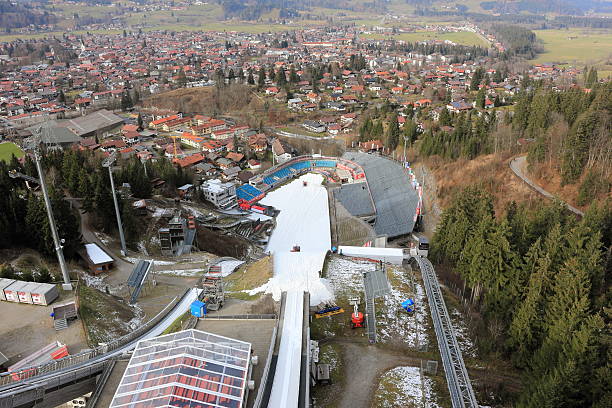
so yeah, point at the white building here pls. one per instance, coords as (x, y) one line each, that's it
(222, 195)
(281, 151)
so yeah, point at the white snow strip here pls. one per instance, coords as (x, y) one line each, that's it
(180, 272)
(462, 333)
(157, 262)
(303, 221)
(391, 255)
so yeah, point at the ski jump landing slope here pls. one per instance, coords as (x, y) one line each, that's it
(303, 221)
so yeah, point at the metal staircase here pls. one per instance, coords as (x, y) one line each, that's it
(60, 324)
(370, 319)
(376, 285)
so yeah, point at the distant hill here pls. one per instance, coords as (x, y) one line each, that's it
(15, 15)
(564, 7)
(254, 9)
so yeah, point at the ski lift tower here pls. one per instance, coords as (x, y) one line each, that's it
(108, 163)
(33, 144)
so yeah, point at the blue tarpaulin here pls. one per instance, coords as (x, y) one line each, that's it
(408, 305)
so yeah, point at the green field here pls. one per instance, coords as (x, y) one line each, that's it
(7, 150)
(577, 46)
(461, 37)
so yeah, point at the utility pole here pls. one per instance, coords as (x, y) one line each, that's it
(108, 163)
(57, 242)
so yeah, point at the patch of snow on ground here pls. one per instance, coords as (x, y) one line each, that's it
(105, 239)
(393, 323)
(462, 333)
(304, 221)
(138, 319)
(92, 281)
(181, 272)
(142, 248)
(404, 389)
(194, 211)
(257, 216)
(157, 262)
(345, 276)
(159, 212)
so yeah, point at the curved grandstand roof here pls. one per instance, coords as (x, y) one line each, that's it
(394, 197)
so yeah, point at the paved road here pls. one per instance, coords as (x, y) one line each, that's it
(122, 267)
(364, 364)
(518, 166)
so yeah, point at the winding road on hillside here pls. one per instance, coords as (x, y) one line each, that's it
(518, 166)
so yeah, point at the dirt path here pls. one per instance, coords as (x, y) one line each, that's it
(363, 365)
(519, 165)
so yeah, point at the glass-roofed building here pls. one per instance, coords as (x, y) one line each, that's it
(191, 369)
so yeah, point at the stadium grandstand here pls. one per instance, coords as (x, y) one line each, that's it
(378, 189)
(395, 198)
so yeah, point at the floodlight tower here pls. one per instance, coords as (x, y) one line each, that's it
(108, 163)
(34, 145)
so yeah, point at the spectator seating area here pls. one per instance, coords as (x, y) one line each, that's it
(247, 192)
(296, 168)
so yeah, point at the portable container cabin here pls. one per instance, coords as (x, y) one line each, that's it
(4, 283)
(44, 294)
(25, 293)
(11, 291)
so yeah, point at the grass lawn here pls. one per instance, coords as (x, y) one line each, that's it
(461, 37)
(7, 150)
(579, 46)
(298, 130)
(248, 277)
(105, 318)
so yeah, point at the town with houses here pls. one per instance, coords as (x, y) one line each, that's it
(80, 100)
(242, 217)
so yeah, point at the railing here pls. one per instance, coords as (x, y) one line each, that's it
(459, 386)
(266, 373)
(30, 372)
(270, 316)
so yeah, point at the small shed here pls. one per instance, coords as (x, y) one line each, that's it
(97, 260)
(185, 191)
(4, 283)
(44, 294)
(198, 308)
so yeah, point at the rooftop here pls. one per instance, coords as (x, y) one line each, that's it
(190, 368)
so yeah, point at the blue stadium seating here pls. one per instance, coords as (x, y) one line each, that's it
(296, 168)
(247, 192)
(325, 163)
